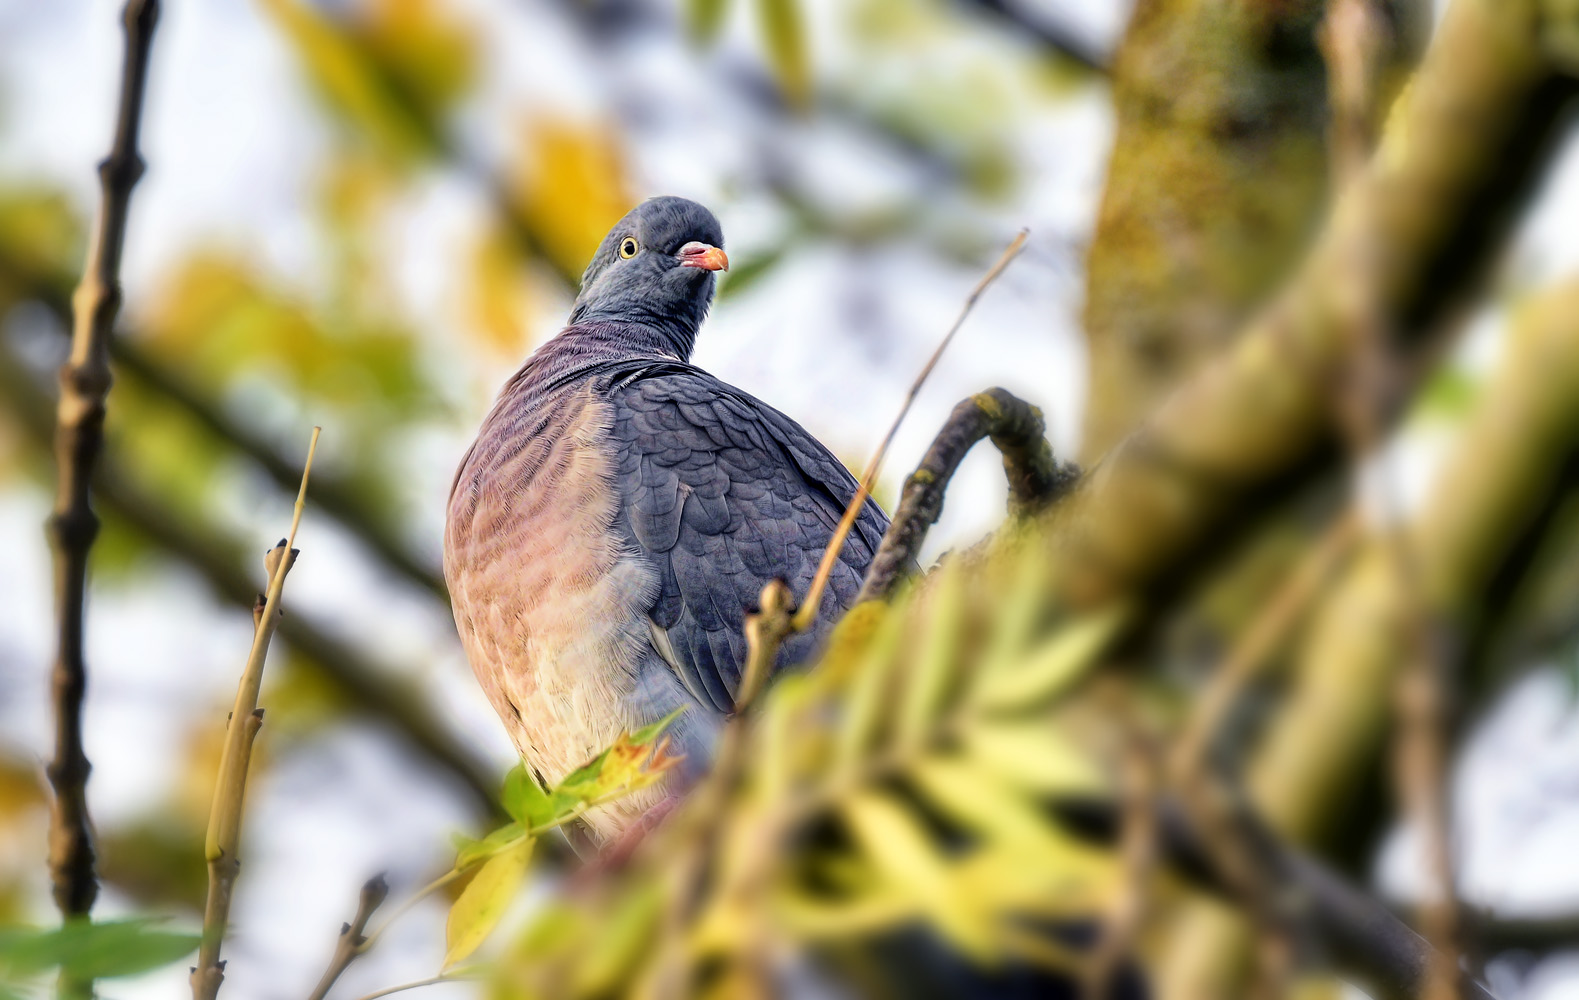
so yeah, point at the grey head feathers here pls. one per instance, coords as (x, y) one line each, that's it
(650, 270)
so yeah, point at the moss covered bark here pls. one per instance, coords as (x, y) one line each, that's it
(1217, 177)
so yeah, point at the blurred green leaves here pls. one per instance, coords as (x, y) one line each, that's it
(878, 790)
(101, 950)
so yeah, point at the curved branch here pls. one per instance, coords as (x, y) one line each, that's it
(79, 438)
(1036, 478)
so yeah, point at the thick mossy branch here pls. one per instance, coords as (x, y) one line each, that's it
(79, 439)
(1035, 477)
(1308, 778)
(1462, 145)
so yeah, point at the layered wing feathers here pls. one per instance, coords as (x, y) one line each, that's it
(724, 493)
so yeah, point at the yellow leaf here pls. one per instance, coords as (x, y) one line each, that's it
(620, 941)
(1033, 756)
(350, 80)
(498, 300)
(976, 800)
(897, 846)
(570, 188)
(478, 910)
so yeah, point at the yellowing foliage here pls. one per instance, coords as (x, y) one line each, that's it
(570, 187)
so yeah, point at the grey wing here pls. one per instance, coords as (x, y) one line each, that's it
(723, 493)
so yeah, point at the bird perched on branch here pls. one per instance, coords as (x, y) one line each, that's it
(621, 510)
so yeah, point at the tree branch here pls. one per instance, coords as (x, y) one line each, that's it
(366, 686)
(246, 718)
(79, 438)
(352, 935)
(1050, 35)
(1257, 424)
(812, 602)
(1036, 479)
(1362, 938)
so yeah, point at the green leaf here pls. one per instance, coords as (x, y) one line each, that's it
(479, 908)
(469, 852)
(924, 698)
(634, 761)
(524, 800)
(648, 733)
(1048, 670)
(620, 941)
(94, 951)
(752, 268)
(898, 847)
(870, 689)
(977, 800)
(784, 37)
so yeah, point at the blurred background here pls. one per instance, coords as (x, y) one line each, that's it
(364, 214)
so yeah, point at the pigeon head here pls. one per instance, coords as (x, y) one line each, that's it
(655, 268)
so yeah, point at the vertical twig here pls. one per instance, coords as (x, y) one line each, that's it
(79, 437)
(813, 600)
(1138, 850)
(246, 718)
(353, 938)
(1356, 38)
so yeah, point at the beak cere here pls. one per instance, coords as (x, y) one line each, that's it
(703, 255)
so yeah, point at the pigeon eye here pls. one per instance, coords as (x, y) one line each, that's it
(627, 248)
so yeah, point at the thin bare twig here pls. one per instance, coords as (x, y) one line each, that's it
(409, 902)
(352, 940)
(1138, 852)
(79, 437)
(246, 718)
(808, 609)
(1356, 39)
(447, 978)
(1036, 479)
(1209, 790)
(1250, 654)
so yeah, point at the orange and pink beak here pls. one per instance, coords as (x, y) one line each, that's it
(703, 255)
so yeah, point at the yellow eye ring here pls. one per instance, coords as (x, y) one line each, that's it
(627, 248)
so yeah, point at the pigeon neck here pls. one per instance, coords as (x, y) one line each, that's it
(633, 335)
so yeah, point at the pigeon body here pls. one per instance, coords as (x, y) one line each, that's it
(621, 510)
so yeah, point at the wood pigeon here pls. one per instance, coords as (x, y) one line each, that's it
(621, 510)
